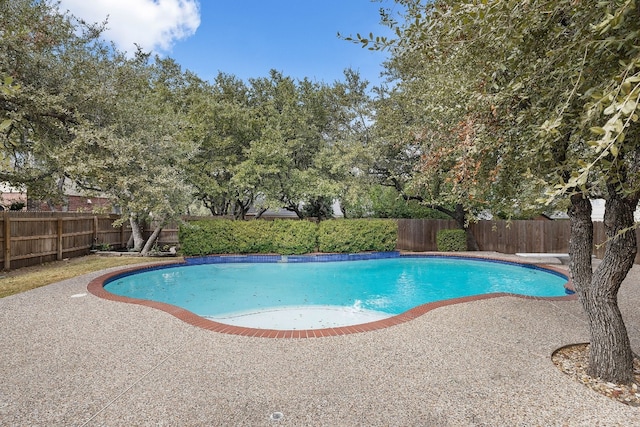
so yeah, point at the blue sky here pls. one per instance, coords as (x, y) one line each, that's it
(298, 37)
(245, 38)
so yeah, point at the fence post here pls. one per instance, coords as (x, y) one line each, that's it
(60, 228)
(95, 231)
(7, 241)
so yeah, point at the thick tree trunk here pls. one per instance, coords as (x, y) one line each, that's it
(580, 242)
(136, 232)
(610, 357)
(152, 239)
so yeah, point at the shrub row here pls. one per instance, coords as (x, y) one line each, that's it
(352, 236)
(222, 236)
(286, 237)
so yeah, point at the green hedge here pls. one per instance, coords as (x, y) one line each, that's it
(286, 237)
(357, 235)
(451, 240)
(223, 236)
(294, 237)
(206, 237)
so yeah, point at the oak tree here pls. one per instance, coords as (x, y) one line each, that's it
(549, 95)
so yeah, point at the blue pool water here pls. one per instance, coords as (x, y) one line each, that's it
(384, 287)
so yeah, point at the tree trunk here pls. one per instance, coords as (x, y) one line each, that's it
(240, 209)
(460, 216)
(260, 213)
(136, 232)
(293, 208)
(151, 241)
(344, 211)
(580, 242)
(611, 358)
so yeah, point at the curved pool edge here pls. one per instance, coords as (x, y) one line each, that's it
(96, 288)
(492, 257)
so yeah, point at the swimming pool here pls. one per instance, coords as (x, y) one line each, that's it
(282, 293)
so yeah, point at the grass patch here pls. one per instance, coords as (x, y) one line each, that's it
(27, 278)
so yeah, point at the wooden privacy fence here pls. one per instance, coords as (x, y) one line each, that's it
(30, 238)
(509, 237)
(501, 236)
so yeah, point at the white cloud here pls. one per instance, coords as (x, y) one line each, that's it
(155, 25)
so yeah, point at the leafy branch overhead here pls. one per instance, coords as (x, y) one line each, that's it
(511, 105)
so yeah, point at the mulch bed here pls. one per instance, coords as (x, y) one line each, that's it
(573, 361)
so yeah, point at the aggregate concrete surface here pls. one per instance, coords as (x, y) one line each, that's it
(68, 358)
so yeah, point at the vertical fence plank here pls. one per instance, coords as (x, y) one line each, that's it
(59, 236)
(7, 241)
(95, 231)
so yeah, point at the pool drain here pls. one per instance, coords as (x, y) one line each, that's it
(276, 416)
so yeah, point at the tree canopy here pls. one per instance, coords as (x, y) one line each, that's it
(74, 109)
(517, 104)
(153, 137)
(49, 62)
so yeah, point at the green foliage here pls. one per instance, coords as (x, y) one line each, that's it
(43, 98)
(221, 236)
(251, 237)
(276, 142)
(282, 159)
(357, 235)
(104, 247)
(319, 208)
(207, 237)
(344, 162)
(294, 237)
(78, 110)
(451, 240)
(222, 122)
(137, 154)
(521, 88)
(387, 203)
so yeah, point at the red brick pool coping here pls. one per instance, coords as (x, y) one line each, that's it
(96, 287)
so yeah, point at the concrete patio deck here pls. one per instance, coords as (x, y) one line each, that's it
(70, 358)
